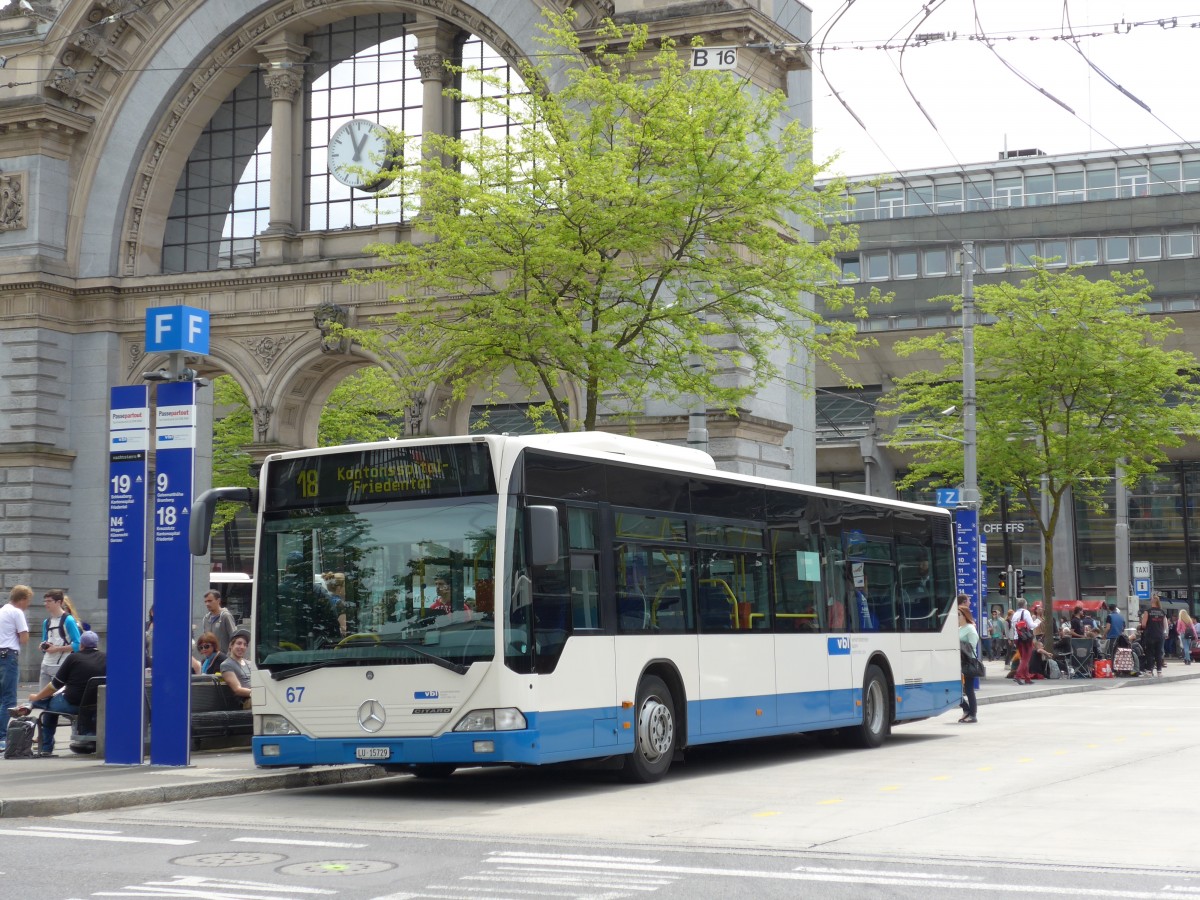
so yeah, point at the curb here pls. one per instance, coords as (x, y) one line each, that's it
(1085, 684)
(199, 790)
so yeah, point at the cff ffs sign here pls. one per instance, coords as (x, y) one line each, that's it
(172, 329)
(714, 58)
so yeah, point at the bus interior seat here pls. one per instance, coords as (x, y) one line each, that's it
(716, 605)
(633, 613)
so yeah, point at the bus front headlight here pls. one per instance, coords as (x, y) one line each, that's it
(276, 725)
(507, 719)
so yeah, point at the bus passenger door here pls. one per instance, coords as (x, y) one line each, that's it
(839, 596)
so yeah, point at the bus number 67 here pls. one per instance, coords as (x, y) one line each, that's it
(294, 694)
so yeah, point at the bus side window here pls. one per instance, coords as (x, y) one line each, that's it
(796, 567)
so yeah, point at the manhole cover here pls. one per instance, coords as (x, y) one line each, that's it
(337, 867)
(217, 860)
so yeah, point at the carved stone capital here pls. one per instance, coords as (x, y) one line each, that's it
(12, 201)
(432, 67)
(284, 83)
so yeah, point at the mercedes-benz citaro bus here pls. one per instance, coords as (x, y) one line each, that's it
(431, 604)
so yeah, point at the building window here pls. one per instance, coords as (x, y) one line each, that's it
(891, 203)
(851, 269)
(863, 209)
(979, 194)
(1085, 251)
(1102, 184)
(1133, 181)
(906, 263)
(920, 200)
(1069, 187)
(948, 198)
(1191, 175)
(1039, 190)
(877, 266)
(223, 198)
(1008, 192)
(1023, 254)
(993, 257)
(1149, 246)
(371, 76)
(1055, 251)
(1180, 243)
(1116, 249)
(934, 262)
(1164, 178)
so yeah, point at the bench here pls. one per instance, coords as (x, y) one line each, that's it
(218, 720)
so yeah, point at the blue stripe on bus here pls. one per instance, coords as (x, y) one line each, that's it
(567, 735)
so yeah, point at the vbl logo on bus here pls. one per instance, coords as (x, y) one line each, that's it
(425, 695)
(839, 646)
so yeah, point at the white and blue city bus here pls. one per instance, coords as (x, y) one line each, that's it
(430, 604)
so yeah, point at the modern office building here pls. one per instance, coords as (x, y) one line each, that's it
(1133, 208)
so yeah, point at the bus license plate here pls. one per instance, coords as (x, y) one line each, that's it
(372, 752)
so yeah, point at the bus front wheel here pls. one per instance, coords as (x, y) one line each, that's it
(654, 739)
(877, 712)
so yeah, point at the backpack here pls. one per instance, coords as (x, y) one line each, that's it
(19, 740)
(62, 627)
(1024, 632)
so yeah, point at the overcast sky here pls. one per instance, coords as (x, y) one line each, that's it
(980, 107)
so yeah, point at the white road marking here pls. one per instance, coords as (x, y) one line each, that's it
(197, 887)
(95, 836)
(59, 830)
(295, 843)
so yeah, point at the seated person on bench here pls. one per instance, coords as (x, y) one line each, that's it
(69, 681)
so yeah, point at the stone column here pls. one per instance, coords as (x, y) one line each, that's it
(284, 75)
(436, 43)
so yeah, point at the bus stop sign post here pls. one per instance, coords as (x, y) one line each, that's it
(128, 454)
(171, 675)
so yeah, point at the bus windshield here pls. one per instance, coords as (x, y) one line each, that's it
(400, 582)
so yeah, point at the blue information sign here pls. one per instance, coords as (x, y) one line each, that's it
(947, 498)
(966, 555)
(170, 699)
(128, 453)
(176, 329)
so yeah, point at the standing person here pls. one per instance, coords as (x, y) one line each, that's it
(1023, 628)
(236, 669)
(1116, 628)
(968, 647)
(218, 620)
(60, 635)
(996, 625)
(73, 675)
(1154, 630)
(1187, 634)
(14, 634)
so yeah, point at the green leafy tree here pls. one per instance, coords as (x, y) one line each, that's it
(1071, 380)
(640, 233)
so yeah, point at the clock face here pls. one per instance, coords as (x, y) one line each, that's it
(358, 152)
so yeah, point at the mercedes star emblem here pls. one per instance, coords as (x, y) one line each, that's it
(371, 716)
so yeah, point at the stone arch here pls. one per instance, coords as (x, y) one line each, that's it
(137, 152)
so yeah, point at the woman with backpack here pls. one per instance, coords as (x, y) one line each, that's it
(60, 635)
(1187, 635)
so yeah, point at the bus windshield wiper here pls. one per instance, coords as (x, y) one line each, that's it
(457, 668)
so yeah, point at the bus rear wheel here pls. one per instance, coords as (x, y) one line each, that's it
(654, 737)
(877, 712)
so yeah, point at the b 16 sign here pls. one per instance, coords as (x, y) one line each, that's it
(714, 58)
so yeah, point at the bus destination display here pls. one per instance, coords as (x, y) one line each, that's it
(378, 476)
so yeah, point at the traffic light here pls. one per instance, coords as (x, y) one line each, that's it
(1002, 583)
(1018, 582)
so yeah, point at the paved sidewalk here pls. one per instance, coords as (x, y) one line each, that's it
(68, 783)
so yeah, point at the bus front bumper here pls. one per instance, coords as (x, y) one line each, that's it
(463, 749)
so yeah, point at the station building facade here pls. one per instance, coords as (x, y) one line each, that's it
(1126, 209)
(176, 152)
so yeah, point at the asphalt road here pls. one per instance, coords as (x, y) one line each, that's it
(1062, 796)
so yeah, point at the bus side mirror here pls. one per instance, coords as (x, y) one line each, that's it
(543, 535)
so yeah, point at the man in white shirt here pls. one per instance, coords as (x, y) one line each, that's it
(14, 634)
